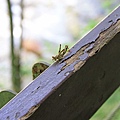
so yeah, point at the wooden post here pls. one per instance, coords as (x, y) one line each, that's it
(75, 87)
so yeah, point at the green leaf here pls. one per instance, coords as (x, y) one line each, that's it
(5, 97)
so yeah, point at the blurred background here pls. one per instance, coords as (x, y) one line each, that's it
(32, 30)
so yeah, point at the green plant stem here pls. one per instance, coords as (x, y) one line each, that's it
(15, 61)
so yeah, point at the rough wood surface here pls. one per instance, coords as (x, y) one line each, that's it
(87, 89)
(75, 87)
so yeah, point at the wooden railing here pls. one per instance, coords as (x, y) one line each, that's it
(75, 87)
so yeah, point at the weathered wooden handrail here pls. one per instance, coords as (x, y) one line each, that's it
(75, 87)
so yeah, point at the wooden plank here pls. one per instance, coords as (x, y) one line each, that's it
(86, 90)
(78, 85)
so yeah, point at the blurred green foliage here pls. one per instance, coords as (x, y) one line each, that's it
(108, 5)
(108, 106)
(91, 24)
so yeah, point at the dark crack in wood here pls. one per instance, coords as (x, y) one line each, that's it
(30, 112)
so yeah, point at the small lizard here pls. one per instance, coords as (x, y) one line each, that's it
(61, 53)
(38, 68)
